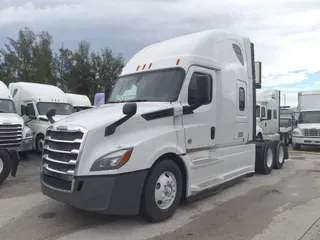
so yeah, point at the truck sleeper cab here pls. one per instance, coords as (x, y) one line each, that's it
(79, 102)
(187, 127)
(33, 100)
(268, 108)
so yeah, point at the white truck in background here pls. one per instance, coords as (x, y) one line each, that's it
(188, 131)
(79, 102)
(267, 112)
(14, 136)
(288, 115)
(33, 100)
(307, 128)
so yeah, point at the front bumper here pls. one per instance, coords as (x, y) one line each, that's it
(108, 194)
(26, 145)
(306, 140)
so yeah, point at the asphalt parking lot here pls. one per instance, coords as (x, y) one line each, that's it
(283, 205)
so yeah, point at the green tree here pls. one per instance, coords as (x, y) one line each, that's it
(30, 58)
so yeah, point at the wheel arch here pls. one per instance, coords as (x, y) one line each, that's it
(182, 166)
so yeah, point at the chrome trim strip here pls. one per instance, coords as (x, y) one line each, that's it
(63, 141)
(69, 172)
(71, 162)
(74, 151)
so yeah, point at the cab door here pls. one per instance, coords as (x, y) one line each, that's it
(200, 124)
(200, 128)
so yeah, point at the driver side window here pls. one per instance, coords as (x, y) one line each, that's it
(192, 89)
(31, 111)
(263, 112)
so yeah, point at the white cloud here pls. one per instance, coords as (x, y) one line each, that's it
(286, 32)
(316, 82)
(288, 78)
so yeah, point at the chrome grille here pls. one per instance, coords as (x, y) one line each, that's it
(311, 132)
(61, 155)
(10, 135)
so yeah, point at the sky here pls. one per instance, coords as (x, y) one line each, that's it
(286, 33)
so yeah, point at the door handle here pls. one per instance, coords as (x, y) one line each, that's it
(213, 132)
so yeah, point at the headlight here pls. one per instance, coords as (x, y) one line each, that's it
(113, 160)
(29, 134)
(295, 133)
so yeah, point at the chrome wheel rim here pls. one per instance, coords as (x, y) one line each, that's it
(40, 144)
(281, 155)
(1, 165)
(269, 158)
(165, 190)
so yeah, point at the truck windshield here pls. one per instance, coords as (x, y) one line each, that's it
(159, 86)
(61, 108)
(7, 106)
(285, 122)
(309, 117)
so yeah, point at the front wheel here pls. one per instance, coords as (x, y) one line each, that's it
(5, 165)
(39, 143)
(162, 192)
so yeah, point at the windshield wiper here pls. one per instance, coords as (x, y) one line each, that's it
(134, 100)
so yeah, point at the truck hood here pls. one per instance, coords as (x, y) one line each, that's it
(56, 118)
(10, 118)
(108, 113)
(309, 125)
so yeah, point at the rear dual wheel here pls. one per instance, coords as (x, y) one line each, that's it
(269, 155)
(264, 157)
(279, 155)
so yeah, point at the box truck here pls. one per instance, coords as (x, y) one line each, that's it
(35, 99)
(307, 127)
(187, 131)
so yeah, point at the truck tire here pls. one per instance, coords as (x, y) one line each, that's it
(39, 143)
(264, 157)
(5, 165)
(296, 146)
(279, 155)
(162, 192)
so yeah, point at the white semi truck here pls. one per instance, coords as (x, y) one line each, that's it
(288, 115)
(14, 136)
(307, 128)
(267, 113)
(35, 100)
(79, 102)
(188, 131)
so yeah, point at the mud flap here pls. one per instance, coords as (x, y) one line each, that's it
(15, 162)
